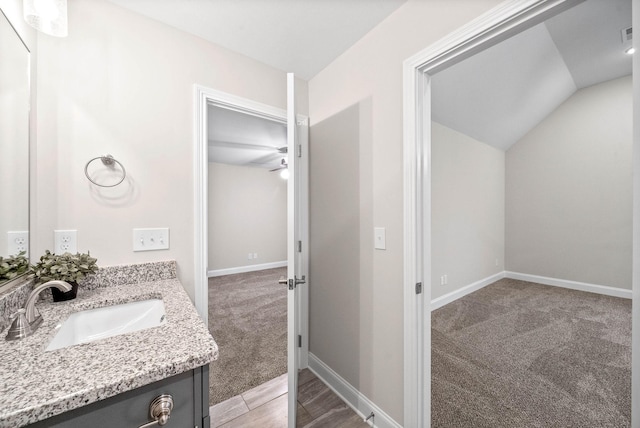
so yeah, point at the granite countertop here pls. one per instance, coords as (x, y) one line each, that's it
(37, 384)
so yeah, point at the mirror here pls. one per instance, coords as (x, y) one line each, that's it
(14, 141)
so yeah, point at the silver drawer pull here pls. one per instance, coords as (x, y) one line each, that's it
(160, 410)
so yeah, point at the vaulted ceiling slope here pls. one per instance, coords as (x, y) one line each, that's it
(300, 36)
(500, 94)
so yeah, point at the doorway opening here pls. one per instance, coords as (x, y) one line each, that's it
(502, 23)
(297, 339)
(261, 129)
(247, 246)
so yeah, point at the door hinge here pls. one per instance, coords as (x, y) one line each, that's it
(299, 149)
(299, 246)
(419, 288)
(299, 341)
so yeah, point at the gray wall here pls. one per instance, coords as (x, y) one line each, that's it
(569, 190)
(467, 209)
(247, 213)
(340, 291)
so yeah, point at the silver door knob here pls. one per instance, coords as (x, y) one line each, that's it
(293, 283)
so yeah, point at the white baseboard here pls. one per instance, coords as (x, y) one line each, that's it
(461, 292)
(573, 285)
(243, 269)
(350, 395)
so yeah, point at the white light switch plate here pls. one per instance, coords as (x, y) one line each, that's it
(65, 241)
(151, 239)
(379, 238)
(17, 242)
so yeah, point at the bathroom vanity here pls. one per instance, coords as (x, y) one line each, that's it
(111, 381)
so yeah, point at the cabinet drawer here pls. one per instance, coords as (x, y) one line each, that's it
(131, 408)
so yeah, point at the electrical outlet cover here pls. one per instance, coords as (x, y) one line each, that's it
(65, 241)
(17, 241)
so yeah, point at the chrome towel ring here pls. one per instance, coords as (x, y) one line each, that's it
(108, 161)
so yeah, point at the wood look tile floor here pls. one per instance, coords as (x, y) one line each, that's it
(265, 406)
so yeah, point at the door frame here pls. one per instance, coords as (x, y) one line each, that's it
(205, 97)
(500, 23)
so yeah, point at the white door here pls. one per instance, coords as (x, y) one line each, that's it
(296, 231)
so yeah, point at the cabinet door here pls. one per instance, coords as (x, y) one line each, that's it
(131, 408)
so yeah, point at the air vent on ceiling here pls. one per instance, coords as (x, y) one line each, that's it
(627, 34)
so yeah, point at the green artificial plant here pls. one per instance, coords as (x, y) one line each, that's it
(64, 267)
(13, 266)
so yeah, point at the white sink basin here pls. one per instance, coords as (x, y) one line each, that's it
(94, 324)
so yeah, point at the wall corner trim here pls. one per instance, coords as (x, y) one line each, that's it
(573, 285)
(467, 289)
(243, 269)
(350, 395)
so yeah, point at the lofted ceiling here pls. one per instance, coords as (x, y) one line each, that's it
(500, 94)
(299, 36)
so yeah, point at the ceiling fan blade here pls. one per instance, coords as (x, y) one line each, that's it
(232, 145)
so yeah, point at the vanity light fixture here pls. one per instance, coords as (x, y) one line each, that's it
(630, 51)
(47, 16)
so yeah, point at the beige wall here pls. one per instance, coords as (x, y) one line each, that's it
(569, 190)
(247, 213)
(372, 70)
(123, 84)
(467, 210)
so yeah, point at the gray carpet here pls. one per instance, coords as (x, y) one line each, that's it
(519, 354)
(248, 320)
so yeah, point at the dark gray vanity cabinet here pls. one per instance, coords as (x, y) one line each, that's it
(190, 392)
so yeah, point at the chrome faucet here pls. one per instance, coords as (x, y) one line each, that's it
(27, 320)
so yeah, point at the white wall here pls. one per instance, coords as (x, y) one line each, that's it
(569, 190)
(372, 70)
(247, 213)
(467, 214)
(123, 84)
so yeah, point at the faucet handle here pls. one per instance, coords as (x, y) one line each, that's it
(20, 327)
